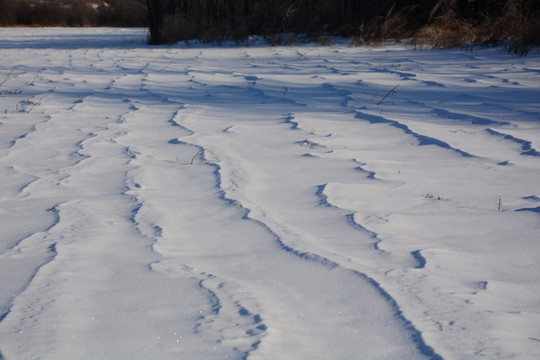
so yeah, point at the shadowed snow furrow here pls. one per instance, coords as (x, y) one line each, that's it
(475, 120)
(289, 119)
(371, 234)
(304, 255)
(11, 143)
(55, 148)
(205, 320)
(369, 174)
(394, 71)
(323, 199)
(420, 260)
(227, 314)
(26, 267)
(344, 94)
(78, 186)
(425, 349)
(310, 144)
(422, 139)
(145, 228)
(526, 146)
(416, 260)
(235, 321)
(175, 122)
(534, 199)
(536, 209)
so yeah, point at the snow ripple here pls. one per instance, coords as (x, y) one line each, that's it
(422, 139)
(526, 146)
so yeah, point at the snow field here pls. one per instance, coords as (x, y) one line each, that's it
(265, 202)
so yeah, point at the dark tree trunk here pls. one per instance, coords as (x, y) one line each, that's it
(155, 14)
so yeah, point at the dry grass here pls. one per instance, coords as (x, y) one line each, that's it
(517, 28)
(447, 32)
(6, 78)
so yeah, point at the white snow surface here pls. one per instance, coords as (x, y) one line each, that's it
(256, 202)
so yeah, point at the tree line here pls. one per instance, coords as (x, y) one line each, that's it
(73, 13)
(443, 23)
(439, 22)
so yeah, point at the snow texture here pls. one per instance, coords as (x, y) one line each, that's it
(256, 202)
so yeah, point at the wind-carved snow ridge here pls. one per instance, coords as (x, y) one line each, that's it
(246, 211)
(310, 144)
(422, 139)
(22, 280)
(289, 119)
(205, 320)
(425, 349)
(147, 229)
(232, 320)
(323, 198)
(534, 199)
(369, 174)
(371, 234)
(225, 319)
(345, 94)
(420, 260)
(526, 146)
(13, 142)
(48, 167)
(475, 120)
(175, 121)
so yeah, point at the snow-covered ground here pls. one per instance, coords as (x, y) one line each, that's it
(257, 202)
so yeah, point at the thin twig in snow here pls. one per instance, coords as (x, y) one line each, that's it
(391, 92)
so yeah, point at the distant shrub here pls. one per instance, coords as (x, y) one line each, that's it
(513, 23)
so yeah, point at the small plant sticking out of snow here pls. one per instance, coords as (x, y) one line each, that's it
(201, 152)
(6, 78)
(391, 92)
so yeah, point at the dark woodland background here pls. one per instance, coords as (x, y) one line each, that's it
(440, 23)
(73, 13)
